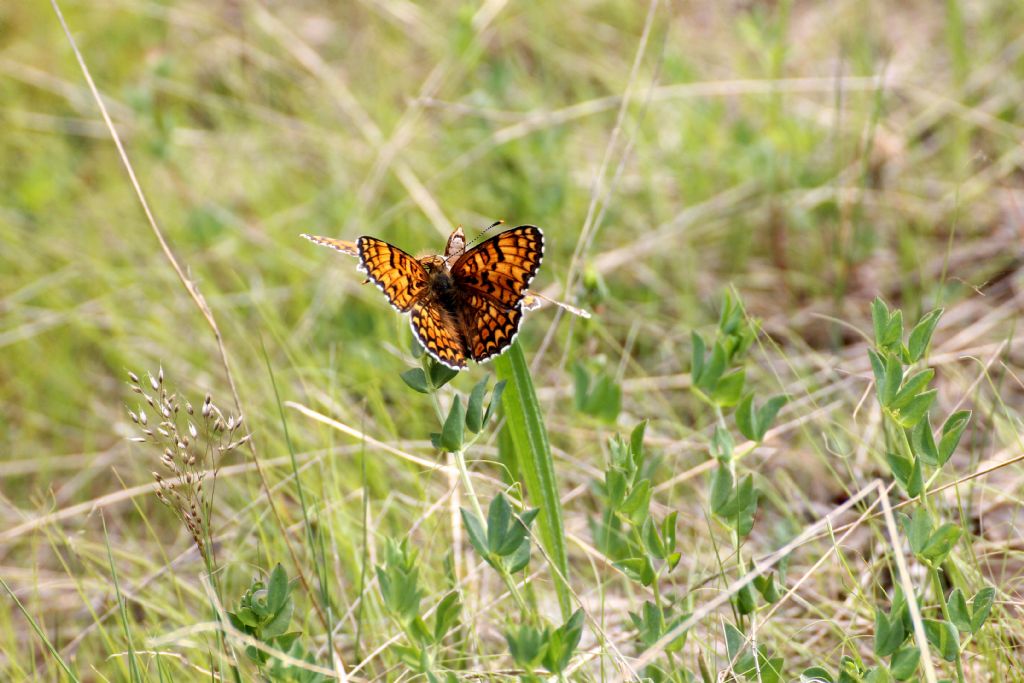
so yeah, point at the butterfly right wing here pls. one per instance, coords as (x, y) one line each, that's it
(438, 332)
(400, 276)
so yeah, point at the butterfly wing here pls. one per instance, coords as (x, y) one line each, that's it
(490, 328)
(400, 276)
(344, 246)
(502, 267)
(438, 332)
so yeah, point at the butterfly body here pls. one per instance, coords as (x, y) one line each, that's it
(465, 305)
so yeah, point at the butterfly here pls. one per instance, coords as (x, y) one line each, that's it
(465, 305)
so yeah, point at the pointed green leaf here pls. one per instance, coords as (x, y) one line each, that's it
(499, 513)
(475, 407)
(981, 607)
(636, 445)
(697, 358)
(729, 389)
(475, 530)
(721, 488)
(416, 379)
(941, 543)
(904, 663)
(495, 401)
(816, 674)
(918, 407)
(922, 443)
(921, 335)
(952, 430)
(746, 418)
(766, 414)
(912, 387)
(893, 379)
(889, 634)
(277, 589)
(959, 614)
(440, 374)
(453, 430)
(880, 320)
(943, 636)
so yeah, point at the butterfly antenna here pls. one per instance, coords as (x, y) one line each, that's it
(485, 231)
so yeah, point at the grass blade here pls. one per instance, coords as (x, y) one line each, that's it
(525, 425)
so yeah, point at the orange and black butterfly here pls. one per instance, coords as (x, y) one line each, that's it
(467, 304)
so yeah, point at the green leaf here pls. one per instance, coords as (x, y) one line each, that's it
(941, 543)
(746, 418)
(279, 623)
(649, 534)
(921, 335)
(904, 663)
(495, 402)
(880, 320)
(918, 407)
(959, 613)
(638, 569)
(453, 430)
(636, 444)
(475, 531)
(721, 488)
(878, 369)
(499, 513)
(475, 407)
(638, 502)
(816, 674)
(744, 600)
(893, 379)
(525, 424)
(735, 642)
(581, 384)
(952, 430)
(754, 424)
(889, 634)
(894, 330)
(906, 472)
(519, 558)
(416, 379)
(440, 374)
(729, 389)
(713, 370)
(562, 643)
(918, 529)
(767, 587)
(277, 589)
(981, 607)
(766, 414)
(912, 387)
(697, 358)
(527, 646)
(922, 443)
(943, 636)
(445, 615)
(722, 444)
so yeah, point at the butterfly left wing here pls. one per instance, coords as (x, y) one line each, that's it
(344, 246)
(502, 267)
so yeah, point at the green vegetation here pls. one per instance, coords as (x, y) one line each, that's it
(786, 446)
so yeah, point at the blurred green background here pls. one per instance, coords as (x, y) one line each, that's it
(811, 155)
